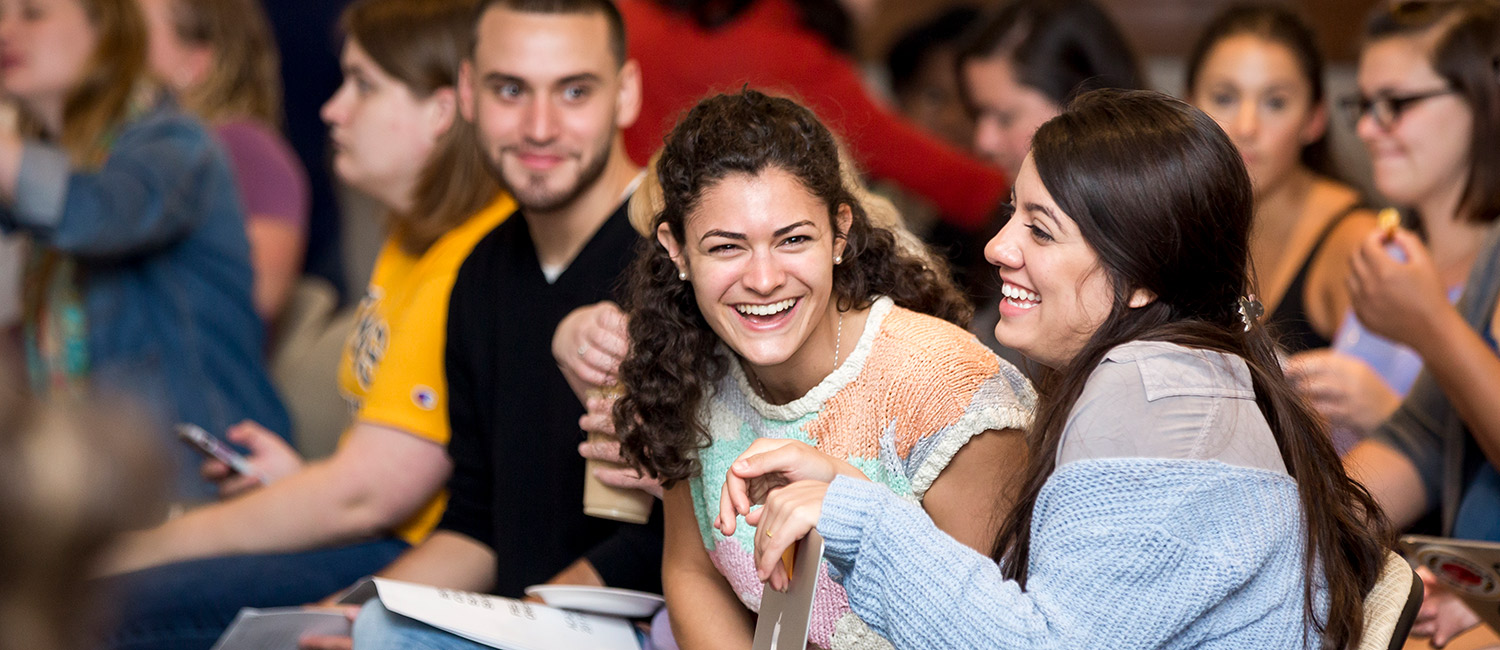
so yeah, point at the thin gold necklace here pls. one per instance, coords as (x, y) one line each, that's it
(838, 343)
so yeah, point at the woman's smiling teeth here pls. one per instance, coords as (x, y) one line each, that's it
(766, 310)
(1018, 296)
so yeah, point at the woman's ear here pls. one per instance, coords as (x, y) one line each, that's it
(466, 90)
(842, 221)
(1140, 298)
(442, 107)
(1315, 126)
(674, 249)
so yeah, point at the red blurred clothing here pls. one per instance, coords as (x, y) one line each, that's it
(768, 48)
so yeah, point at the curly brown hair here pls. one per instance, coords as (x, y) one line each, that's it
(674, 355)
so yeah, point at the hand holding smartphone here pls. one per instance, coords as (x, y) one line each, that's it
(217, 449)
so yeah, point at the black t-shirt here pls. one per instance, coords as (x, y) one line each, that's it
(517, 483)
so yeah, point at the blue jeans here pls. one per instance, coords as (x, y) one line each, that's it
(378, 628)
(187, 606)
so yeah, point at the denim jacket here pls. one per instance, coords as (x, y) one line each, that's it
(158, 236)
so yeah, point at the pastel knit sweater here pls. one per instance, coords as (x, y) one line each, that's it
(914, 390)
(1125, 553)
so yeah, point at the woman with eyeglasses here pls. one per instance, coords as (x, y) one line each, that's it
(1425, 99)
(1430, 116)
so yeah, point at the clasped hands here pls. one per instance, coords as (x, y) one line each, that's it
(790, 479)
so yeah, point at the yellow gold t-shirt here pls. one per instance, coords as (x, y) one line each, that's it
(392, 368)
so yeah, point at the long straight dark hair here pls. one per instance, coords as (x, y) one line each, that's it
(1160, 194)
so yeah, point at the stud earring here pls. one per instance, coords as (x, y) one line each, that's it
(838, 259)
(682, 275)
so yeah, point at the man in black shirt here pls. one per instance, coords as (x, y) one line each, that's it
(549, 90)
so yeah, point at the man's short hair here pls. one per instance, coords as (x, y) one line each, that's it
(606, 7)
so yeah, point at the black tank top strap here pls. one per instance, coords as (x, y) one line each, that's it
(1289, 323)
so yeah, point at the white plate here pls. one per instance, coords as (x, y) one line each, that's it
(598, 600)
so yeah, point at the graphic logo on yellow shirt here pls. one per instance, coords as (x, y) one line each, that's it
(371, 335)
(425, 397)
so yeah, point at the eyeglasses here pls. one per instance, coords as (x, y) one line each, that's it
(1386, 108)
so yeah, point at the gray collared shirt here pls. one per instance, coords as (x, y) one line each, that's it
(1150, 399)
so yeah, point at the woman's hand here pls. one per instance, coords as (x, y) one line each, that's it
(1443, 615)
(270, 455)
(767, 465)
(790, 478)
(1392, 298)
(590, 343)
(1343, 388)
(790, 513)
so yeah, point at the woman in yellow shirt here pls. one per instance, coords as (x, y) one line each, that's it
(314, 528)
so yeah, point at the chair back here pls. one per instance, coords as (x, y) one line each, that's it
(1391, 606)
(305, 366)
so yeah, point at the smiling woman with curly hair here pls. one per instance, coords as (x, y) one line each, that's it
(773, 313)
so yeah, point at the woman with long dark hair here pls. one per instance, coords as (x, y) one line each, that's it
(1258, 72)
(1018, 66)
(1025, 59)
(1178, 491)
(773, 308)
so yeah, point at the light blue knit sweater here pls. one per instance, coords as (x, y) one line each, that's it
(1125, 553)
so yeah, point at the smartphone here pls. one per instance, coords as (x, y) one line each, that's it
(217, 449)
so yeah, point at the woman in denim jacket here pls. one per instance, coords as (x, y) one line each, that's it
(139, 280)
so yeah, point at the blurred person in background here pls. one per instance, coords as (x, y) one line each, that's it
(65, 494)
(1026, 59)
(922, 66)
(1258, 72)
(314, 528)
(139, 281)
(801, 48)
(1017, 67)
(924, 79)
(1429, 113)
(219, 58)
